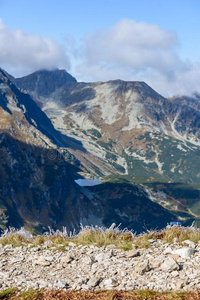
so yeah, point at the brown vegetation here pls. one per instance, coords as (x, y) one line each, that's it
(100, 295)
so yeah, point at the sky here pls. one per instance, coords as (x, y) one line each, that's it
(156, 41)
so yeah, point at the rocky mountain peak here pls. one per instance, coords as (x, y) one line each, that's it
(131, 114)
(45, 82)
(121, 131)
(4, 75)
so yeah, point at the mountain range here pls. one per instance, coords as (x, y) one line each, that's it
(55, 130)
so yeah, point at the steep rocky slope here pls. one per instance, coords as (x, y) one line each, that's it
(128, 129)
(35, 83)
(37, 173)
(128, 125)
(35, 180)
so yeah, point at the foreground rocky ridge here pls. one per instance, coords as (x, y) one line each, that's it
(161, 267)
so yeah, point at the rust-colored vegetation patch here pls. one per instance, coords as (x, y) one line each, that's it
(101, 295)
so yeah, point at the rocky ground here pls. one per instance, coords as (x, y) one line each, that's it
(160, 267)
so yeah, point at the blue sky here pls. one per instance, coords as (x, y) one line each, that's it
(156, 41)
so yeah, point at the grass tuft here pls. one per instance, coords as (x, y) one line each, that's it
(31, 294)
(99, 236)
(103, 237)
(7, 293)
(15, 239)
(142, 241)
(179, 232)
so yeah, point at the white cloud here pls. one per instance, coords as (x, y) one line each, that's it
(132, 44)
(128, 51)
(138, 51)
(26, 52)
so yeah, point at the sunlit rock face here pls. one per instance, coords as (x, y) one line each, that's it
(125, 127)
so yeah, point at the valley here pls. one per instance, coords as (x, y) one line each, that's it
(144, 149)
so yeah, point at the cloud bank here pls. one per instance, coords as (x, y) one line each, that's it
(138, 51)
(128, 50)
(22, 53)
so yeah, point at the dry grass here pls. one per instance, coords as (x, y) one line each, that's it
(88, 235)
(168, 235)
(15, 239)
(99, 237)
(142, 241)
(100, 295)
(181, 233)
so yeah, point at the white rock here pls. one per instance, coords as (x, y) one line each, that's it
(123, 273)
(109, 283)
(102, 257)
(189, 243)
(151, 241)
(71, 244)
(16, 260)
(132, 253)
(93, 282)
(49, 258)
(175, 273)
(142, 268)
(4, 275)
(111, 246)
(175, 240)
(179, 284)
(42, 262)
(8, 247)
(170, 265)
(66, 259)
(87, 260)
(61, 284)
(43, 284)
(185, 252)
(156, 263)
(168, 250)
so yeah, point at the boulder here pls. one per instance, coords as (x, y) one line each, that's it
(110, 283)
(93, 282)
(185, 252)
(170, 265)
(67, 259)
(142, 268)
(132, 253)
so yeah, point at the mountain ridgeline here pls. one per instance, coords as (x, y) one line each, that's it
(54, 130)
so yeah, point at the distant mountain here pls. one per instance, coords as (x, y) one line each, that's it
(38, 172)
(44, 82)
(129, 126)
(130, 131)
